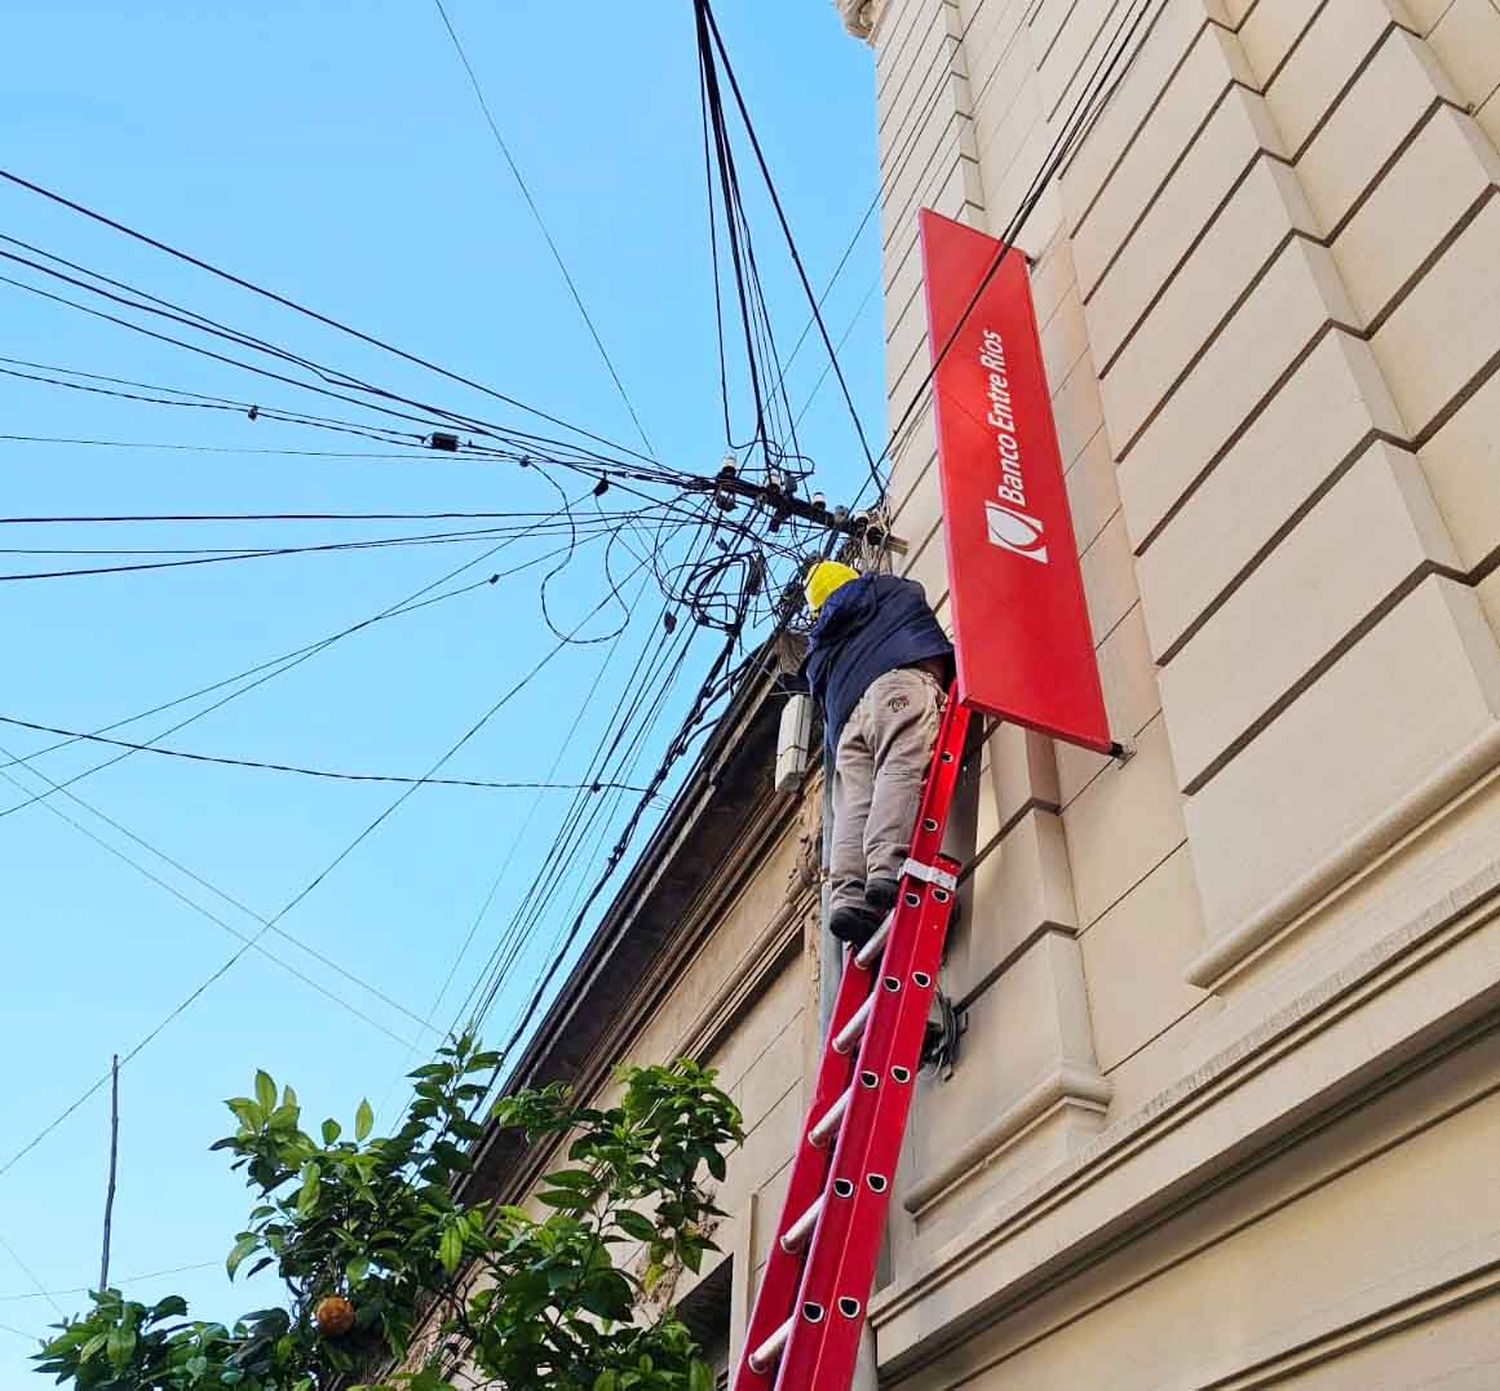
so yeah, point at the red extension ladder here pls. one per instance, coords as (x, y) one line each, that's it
(804, 1330)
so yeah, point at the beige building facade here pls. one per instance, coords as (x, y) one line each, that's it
(1226, 1112)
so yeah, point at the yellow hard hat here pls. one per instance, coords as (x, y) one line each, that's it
(823, 579)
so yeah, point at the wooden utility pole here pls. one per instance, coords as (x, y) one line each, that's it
(114, 1154)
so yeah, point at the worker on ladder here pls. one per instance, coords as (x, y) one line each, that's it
(879, 665)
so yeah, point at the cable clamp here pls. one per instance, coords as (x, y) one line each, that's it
(931, 874)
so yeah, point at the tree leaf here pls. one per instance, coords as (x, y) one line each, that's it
(607, 1295)
(331, 1131)
(636, 1224)
(364, 1120)
(120, 1346)
(608, 1380)
(242, 1248)
(265, 1092)
(700, 1378)
(451, 1248)
(564, 1200)
(307, 1195)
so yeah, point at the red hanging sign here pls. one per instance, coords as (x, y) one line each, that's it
(1021, 625)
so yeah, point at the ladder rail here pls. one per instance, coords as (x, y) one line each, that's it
(808, 1179)
(815, 1252)
(846, 1244)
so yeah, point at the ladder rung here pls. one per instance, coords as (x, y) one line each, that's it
(828, 1123)
(872, 949)
(851, 1033)
(766, 1354)
(795, 1237)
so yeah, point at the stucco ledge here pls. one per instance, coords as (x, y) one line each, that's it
(860, 16)
(1440, 788)
(1422, 983)
(1067, 1085)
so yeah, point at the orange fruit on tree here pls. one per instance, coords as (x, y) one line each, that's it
(334, 1316)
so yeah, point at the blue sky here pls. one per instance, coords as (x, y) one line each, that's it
(335, 153)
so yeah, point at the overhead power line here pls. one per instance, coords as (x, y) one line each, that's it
(299, 897)
(335, 775)
(280, 517)
(30, 1275)
(1076, 123)
(511, 445)
(259, 674)
(121, 1282)
(536, 214)
(324, 319)
(444, 418)
(709, 26)
(221, 557)
(409, 457)
(380, 434)
(1086, 108)
(251, 942)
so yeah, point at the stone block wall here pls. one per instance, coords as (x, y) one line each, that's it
(1266, 267)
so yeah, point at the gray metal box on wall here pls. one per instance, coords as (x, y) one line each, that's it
(794, 743)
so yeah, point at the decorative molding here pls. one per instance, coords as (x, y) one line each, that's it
(779, 943)
(1416, 992)
(1068, 1085)
(1483, 1283)
(1423, 801)
(860, 16)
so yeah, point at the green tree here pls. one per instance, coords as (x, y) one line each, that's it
(392, 1280)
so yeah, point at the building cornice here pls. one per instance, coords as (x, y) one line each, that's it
(860, 16)
(1422, 991)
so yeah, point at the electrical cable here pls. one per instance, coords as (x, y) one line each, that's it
(616, 855)
(126, 1280)
(536, 214)
(328, 773)
(209, 353)
(523, 447)
(330, 377)
(220, 558)
(592, 690)
(302, 894)
(287, 661)
(555, 865)
(251, 942)
(843, 338)
(277, 517)
(30, 1275)
(287, 303)
(1072, 130)
(358, 455)
(708, 27)
(380, 435)
(575, 828)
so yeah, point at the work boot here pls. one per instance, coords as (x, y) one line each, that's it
(880, 895)
(855, 923)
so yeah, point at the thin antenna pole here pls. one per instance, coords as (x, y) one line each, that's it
(114, 1154)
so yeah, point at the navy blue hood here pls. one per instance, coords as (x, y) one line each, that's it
(868, 627)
